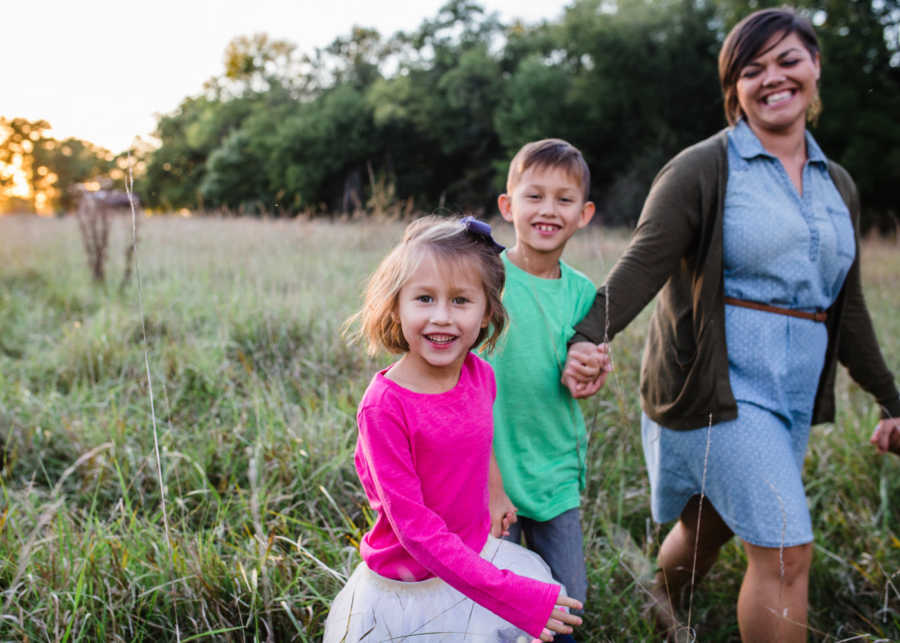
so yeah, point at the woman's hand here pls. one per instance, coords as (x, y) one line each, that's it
(886, 436)
(586, 367)
(561, 620)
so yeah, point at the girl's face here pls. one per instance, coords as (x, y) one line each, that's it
(441, 310)
(776, 88)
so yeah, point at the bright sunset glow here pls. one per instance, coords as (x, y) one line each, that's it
(20, 190)
(19, 187)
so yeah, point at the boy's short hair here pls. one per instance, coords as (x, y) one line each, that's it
(550, 153)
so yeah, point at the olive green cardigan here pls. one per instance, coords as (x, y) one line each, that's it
(676, 251)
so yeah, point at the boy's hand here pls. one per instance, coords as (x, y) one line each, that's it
(501, 508)
(886, 436)
(503, 513)
(587, 365)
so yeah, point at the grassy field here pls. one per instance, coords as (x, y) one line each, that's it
(216, 498)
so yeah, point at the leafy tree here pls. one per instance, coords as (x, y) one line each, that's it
(356, 59)
(20, 138)
(70, 161)
(537, 102)
(258, 63)
(860, 89)
(316, 150)
(238, 171)
(657, 94)
(445, 95)
(234, 179)
(175, 171)
(51, 167)
(437, 112)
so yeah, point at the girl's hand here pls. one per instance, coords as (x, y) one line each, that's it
(886, 436)
(561, 620)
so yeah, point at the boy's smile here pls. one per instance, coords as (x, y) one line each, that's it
(547, 228)
(546, 207)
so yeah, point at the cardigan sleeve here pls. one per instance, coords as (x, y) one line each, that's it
(858, 348)
(524, 602)
(666, 233)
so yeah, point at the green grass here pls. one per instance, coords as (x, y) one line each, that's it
(254, 395)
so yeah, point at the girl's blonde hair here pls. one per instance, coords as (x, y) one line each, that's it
(447, 239)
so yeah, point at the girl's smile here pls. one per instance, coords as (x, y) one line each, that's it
(440, 340)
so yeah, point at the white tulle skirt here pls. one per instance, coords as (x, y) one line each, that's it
(375, 609)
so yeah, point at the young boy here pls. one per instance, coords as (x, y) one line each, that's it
(539, 432)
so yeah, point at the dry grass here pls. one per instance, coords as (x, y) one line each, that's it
(255, 399)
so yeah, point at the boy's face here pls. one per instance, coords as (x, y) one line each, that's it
(546, 207)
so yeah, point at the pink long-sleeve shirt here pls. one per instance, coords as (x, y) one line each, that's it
(423, 461)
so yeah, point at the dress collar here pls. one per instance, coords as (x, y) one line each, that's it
(748, 146)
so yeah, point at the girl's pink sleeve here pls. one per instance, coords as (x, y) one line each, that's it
(524, 602)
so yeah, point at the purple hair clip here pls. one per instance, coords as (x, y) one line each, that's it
(482, 231)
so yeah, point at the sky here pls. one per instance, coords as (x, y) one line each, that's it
(101, 70)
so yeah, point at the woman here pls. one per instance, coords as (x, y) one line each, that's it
(749, 237)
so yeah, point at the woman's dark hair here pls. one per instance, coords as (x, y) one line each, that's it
(746, 41)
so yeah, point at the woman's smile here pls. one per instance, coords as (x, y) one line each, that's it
(778, 97)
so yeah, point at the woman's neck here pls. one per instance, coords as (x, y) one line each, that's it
(788, 146)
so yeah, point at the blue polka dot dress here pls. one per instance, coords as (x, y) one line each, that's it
(789, 250)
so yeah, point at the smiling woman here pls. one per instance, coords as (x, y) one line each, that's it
(750, 239)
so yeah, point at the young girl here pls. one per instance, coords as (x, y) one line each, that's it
(430, 568)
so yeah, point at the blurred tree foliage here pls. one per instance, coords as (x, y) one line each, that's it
(48, 168)
(437, 112)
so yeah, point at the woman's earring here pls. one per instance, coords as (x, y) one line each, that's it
(814, 109)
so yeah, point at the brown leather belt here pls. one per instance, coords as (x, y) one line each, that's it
(755, 305)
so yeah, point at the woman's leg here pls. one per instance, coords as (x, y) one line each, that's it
(676, 558)
(773, 600)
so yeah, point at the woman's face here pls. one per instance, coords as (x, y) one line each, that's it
(775, 88)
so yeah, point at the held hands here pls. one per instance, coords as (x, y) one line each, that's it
(560, 620)
(587, 365)
(886, 436)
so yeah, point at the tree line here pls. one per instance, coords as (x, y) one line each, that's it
(38, 172)
(427, 120)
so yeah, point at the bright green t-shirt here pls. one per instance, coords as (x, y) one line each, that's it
(539, 434)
